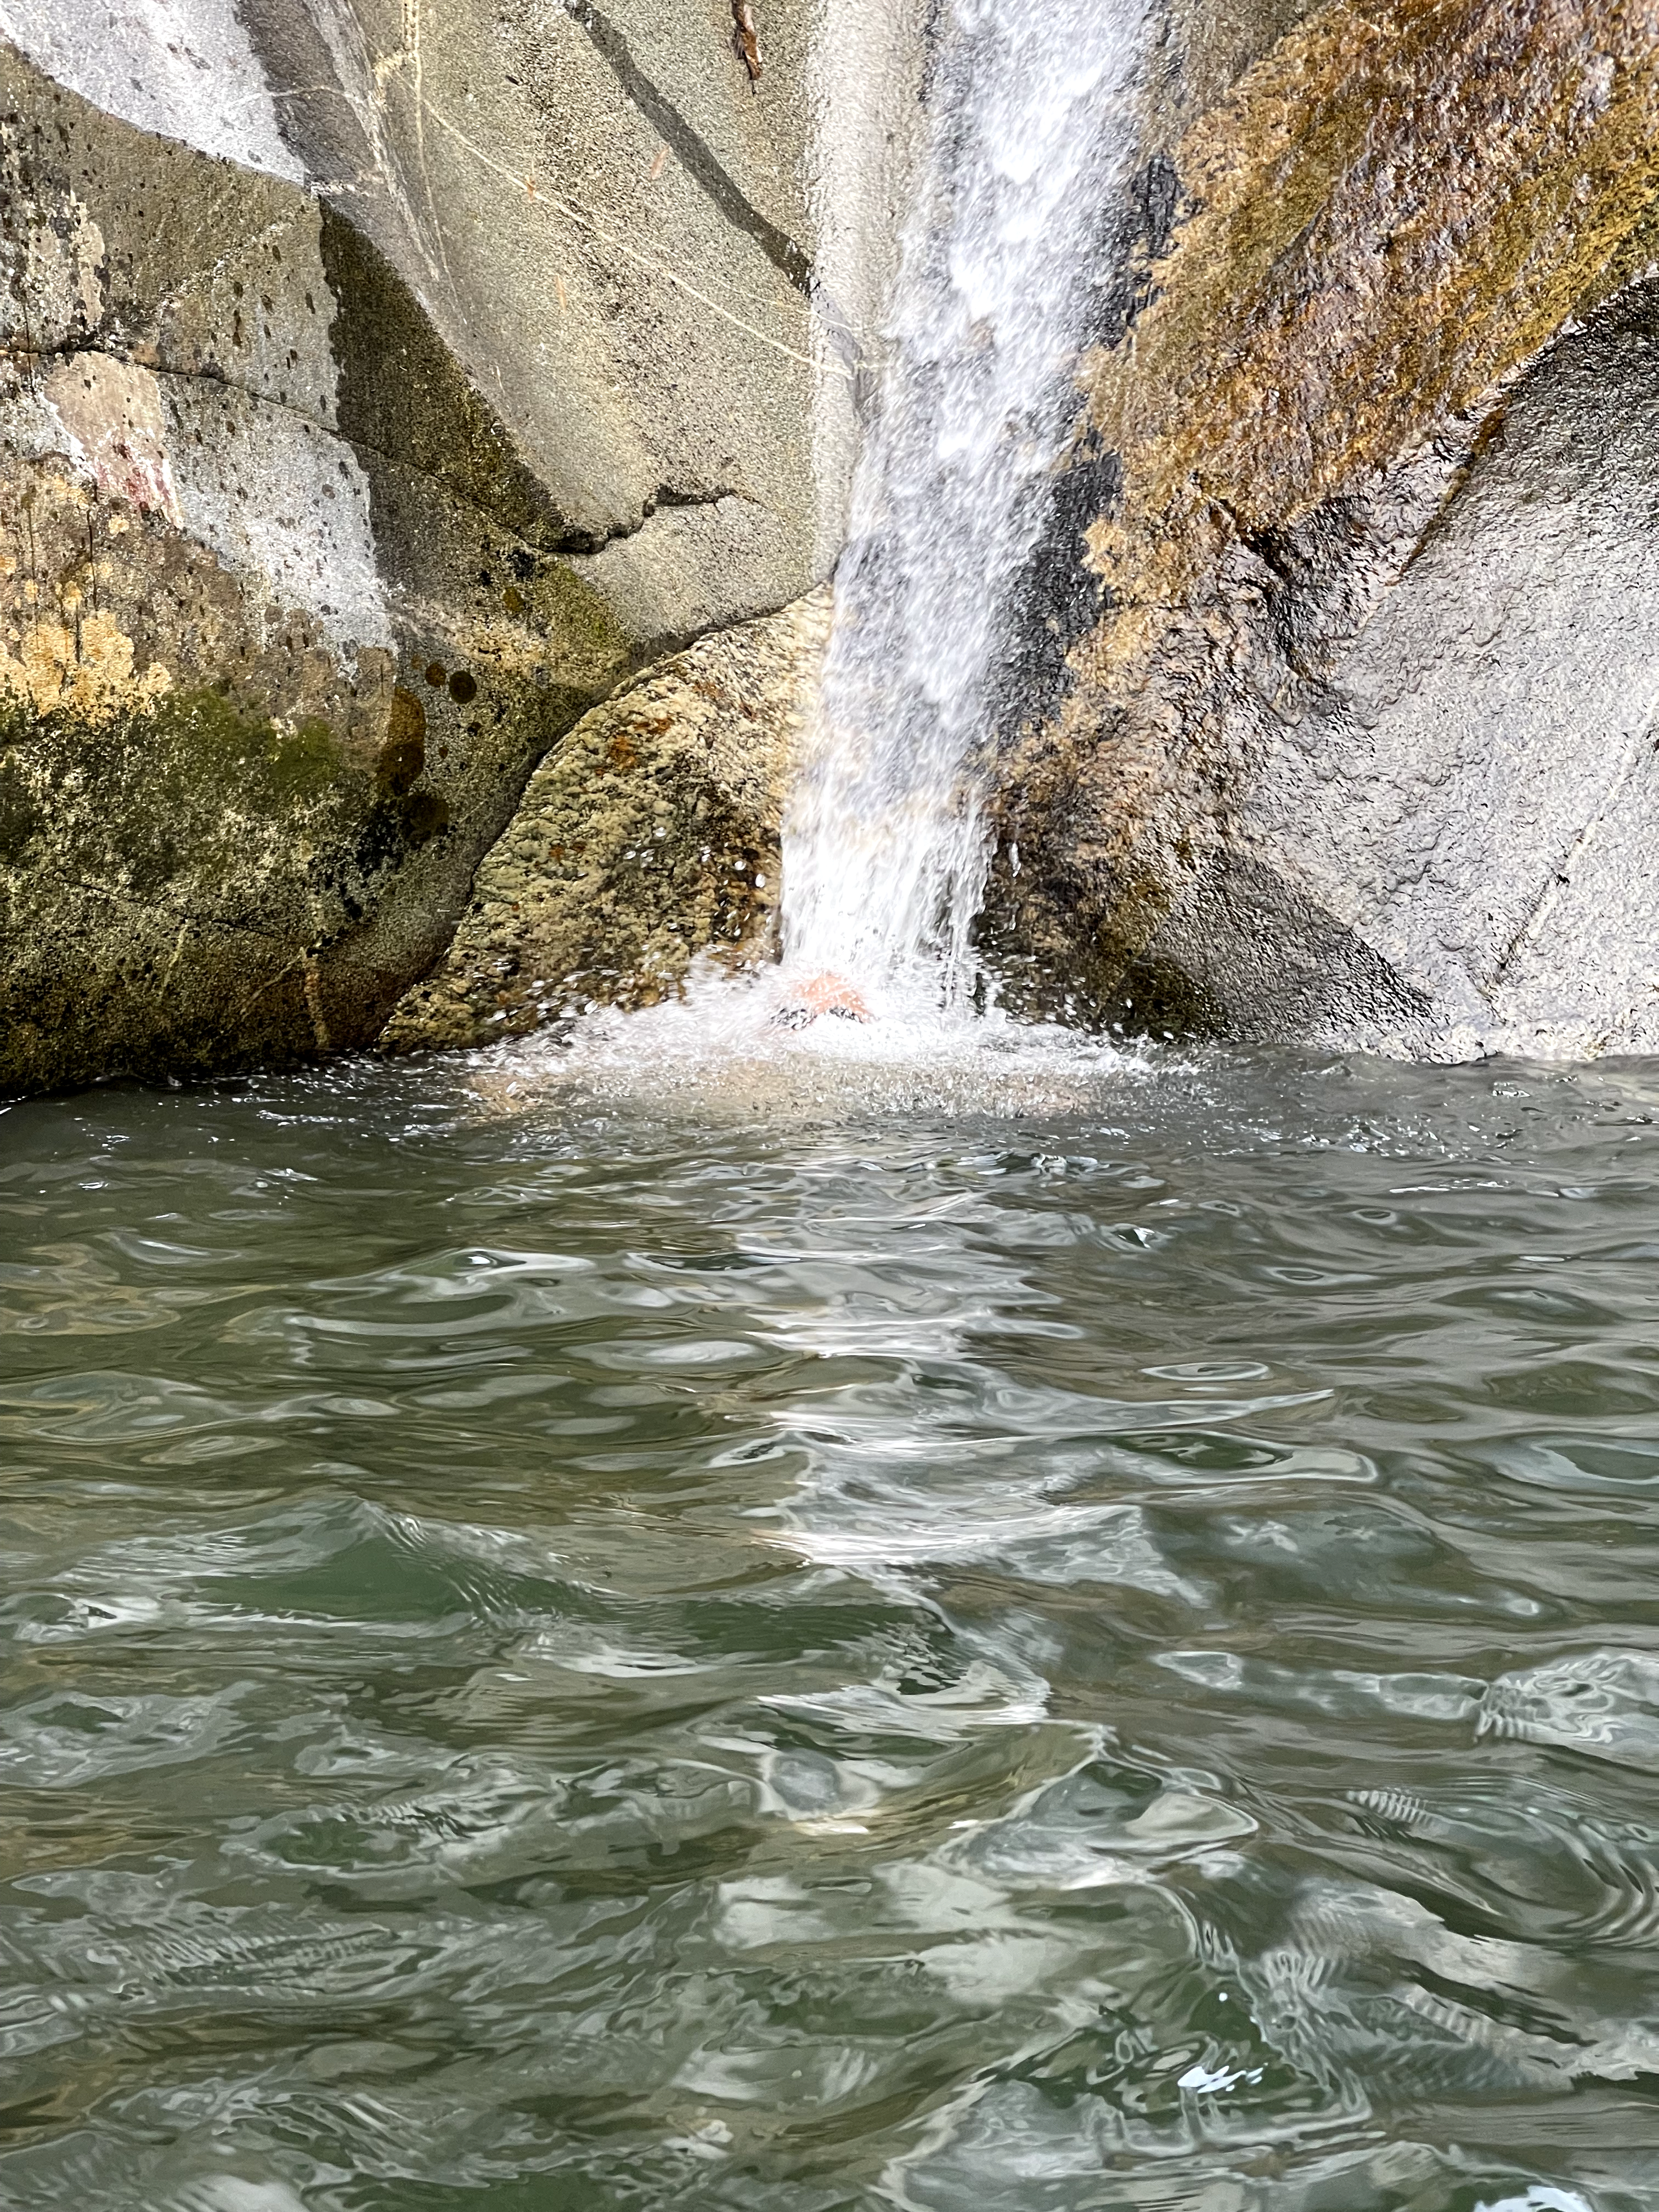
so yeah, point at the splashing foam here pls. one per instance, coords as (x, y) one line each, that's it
(722, 1049)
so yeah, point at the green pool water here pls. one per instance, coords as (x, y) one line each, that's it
(935, 1638)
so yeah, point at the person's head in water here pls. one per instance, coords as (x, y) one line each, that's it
(824, 994)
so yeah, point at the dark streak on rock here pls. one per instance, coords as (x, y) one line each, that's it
(693, 153)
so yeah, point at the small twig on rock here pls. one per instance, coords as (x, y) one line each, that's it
(746, 38)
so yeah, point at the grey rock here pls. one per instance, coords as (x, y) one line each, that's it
(379, 389)
(1472, 793)
(1349, 732)
(384, 388)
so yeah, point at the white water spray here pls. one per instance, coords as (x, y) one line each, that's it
(884, 847)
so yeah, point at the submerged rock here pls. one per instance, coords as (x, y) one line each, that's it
(1356, 685)
(649, 839)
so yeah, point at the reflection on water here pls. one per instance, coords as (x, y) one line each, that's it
(817, 1630)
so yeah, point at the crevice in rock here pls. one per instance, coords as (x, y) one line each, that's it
(403, 396)
(172, 913)
(666, 496)
(580, 545)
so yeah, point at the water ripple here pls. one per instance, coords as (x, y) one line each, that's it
(1085, 1646)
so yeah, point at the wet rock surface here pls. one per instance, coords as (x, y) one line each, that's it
(347, 457)
(380, 390)
(647, 840)
(1348, 734)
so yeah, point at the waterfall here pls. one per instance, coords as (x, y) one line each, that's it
(885, 842)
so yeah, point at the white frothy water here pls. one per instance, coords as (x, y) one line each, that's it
(885, 846)
(717, 1052)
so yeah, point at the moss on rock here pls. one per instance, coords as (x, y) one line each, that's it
(313, 544)
(1394, 212)
(648, 838)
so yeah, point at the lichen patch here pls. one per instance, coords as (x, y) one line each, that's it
(87, 669)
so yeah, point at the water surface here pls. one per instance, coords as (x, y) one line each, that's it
(925, 1639)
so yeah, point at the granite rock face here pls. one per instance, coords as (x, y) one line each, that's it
(647, 840)
(382, 384)
(1349, 730)
(387, 382)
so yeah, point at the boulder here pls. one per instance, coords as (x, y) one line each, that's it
(647, 840)
(383, 389)
(1347, 729)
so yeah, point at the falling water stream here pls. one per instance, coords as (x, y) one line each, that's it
(923, 1616)
(884, 845)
